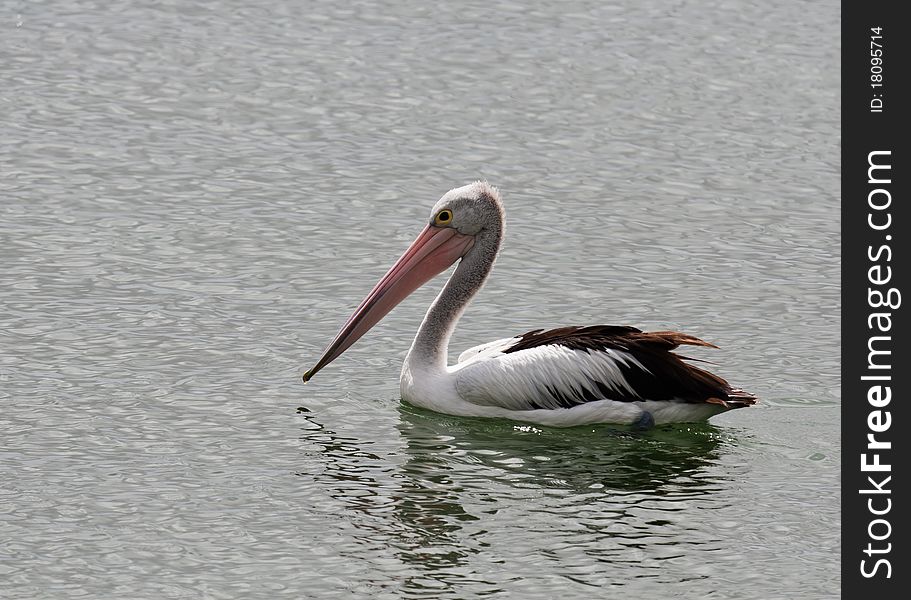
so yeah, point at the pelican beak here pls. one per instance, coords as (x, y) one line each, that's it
(434, 250)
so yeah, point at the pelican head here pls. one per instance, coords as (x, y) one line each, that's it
(456, 221)
(470, 208)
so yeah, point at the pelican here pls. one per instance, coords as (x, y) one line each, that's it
(559, 377)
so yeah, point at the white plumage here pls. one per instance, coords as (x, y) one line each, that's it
(521, 385)
(539, 377)
(490, 348)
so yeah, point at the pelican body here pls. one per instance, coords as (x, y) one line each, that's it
(560, 377)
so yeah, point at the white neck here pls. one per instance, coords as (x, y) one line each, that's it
(429, 349)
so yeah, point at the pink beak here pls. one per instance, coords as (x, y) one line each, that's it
(434, 250)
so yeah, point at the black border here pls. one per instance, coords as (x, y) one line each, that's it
(864, 131)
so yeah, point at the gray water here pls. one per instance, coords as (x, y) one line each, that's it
(193, 197)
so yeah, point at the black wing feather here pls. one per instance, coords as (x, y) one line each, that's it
(666, 375)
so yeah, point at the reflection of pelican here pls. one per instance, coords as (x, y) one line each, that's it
(562, 377)
(525, 456)
(426, 514)
(486, 503)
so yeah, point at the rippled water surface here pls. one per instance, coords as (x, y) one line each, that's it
(193, 196)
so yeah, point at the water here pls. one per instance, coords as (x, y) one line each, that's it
(194, 196)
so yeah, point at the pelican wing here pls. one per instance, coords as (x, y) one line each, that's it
(562, 368)
(492, 348)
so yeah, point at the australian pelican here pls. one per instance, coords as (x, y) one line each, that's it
(559, 377)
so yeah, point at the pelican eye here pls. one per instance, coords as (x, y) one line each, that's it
(444, 217)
